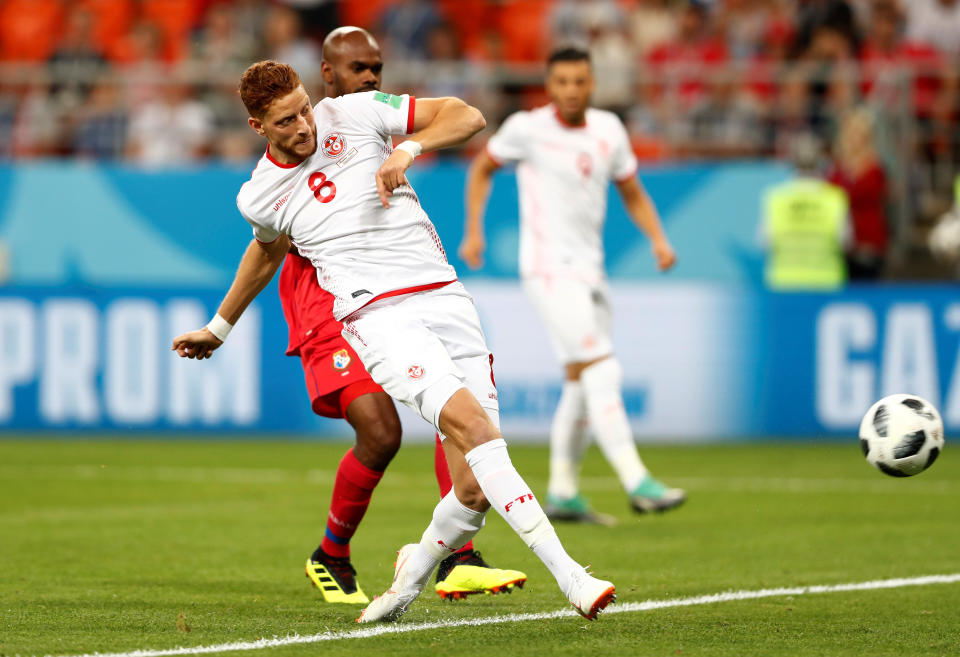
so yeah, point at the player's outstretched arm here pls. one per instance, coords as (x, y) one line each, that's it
(645, 216)
(479, 182)
(437, 123)
(259, 263)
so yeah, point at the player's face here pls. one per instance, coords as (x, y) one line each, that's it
(289, 126)
(569, 85)
(358, 66)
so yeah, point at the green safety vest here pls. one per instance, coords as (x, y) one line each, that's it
(805, 225)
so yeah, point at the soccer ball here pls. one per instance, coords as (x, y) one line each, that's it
(901, 435)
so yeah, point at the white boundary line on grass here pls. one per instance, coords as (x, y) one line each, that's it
(378, 630)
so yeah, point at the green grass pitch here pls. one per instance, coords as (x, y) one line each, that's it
(113, 546)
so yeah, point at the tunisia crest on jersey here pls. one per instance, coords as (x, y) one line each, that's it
(414, 371)
(333, 145)
(341, 359)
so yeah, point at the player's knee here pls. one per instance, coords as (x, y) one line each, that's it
(470, 495)
(378, 431)
(477, 429)
(381, 438)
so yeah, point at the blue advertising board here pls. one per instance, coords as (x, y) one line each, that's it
(106, 265)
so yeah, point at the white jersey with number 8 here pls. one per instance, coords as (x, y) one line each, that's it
(328, 205)
(563, 175)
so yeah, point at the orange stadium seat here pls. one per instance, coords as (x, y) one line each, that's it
(175, 18)
(364, 14)
(29, 29)
(113, 19)
(523, 25)
(472, 19)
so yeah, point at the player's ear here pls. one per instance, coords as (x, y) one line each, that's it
(257, 125)
(327, 72)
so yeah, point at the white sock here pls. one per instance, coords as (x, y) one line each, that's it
(510, 495)
(452, 526)
(608, 419)
(568, 437)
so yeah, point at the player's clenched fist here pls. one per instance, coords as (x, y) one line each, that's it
(196, 344)
(471, 251)
(392, 174)
(664, 254)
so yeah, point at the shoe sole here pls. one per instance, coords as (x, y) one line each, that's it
(591, 518)
(653, 506)
(493, 590)
(599, 604)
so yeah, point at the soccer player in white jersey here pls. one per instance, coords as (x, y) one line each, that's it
(331, 184)
(567, 153)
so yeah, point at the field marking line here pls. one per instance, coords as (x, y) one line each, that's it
(648, 605)
(318, 476)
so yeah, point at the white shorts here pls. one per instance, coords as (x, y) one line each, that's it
(577, 315)
(423, 347)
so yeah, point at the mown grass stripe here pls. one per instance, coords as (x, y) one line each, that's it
(648, 605)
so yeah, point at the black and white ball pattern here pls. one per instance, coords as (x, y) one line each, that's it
(901, 435)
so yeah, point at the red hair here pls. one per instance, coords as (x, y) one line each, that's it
(264, 82)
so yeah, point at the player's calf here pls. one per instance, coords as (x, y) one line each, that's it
(375, 421)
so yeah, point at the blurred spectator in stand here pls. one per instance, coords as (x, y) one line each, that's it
(652, 23)
(765, 72)
(101, 127)
(726, 123)
(318, 17)
(571, 21)
(29, 29)
(78, 60)
(858, 170)
(446, 74)
(612, 56)
(8, 115)
(37, 127)
(830, 67)
(219, 48)
(173, 130)
(683, 65)
(805, 226)
(811, 15)
(791, 117)
(744, 24)
(645, 120)
(935, 22)
(285, 43)
(889, 60)
(405, 27)
(140, 62)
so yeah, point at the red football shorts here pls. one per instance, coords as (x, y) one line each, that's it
(334, 375)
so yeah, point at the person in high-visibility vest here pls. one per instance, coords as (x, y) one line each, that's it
(806, 227)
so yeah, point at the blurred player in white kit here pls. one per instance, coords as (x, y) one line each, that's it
(331, 184)
(566, 154)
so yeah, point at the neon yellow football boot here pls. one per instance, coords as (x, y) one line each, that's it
(466, 573)
(335, 578)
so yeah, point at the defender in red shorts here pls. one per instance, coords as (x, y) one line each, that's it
(339, 386)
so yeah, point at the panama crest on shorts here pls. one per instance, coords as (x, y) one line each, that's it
(341, 359)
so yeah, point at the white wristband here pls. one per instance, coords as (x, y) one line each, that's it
(412, 147)
(220, 327)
